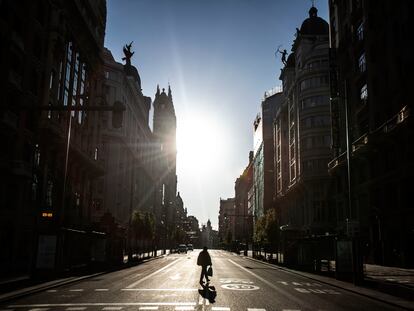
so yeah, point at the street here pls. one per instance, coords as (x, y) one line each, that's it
(172, 283)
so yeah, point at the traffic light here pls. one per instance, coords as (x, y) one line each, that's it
(118, 114)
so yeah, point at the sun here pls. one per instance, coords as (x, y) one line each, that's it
(200, 140)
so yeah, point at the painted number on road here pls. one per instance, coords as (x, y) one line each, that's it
(240, 286)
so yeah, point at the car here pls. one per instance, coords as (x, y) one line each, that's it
(182, 248)
(190, 247)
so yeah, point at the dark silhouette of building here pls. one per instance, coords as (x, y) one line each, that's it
(50, 56)
(244, 220)
(371, 64)
(227, 221)
(302, 138)
(164, 129)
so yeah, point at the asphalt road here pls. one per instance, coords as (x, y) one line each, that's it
(171, 283)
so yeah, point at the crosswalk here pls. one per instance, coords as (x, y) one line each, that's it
(143, 307)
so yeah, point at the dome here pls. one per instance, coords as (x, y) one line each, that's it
(291, 60)
(133, 72)
(314, 25)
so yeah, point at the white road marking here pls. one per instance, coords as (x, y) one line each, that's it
(112, 308)
(101, 289)
(255, 309)
(277, 288)
(184, 308)
(99, 304)
(76, 290)
(161, 289)
(291, 310)
(76, 308)
(175, 277)
(220, 309)
(200, 300)
(148, 308)
(152, 274)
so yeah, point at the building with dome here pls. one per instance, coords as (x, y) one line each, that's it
(129, 172)
(302, 137)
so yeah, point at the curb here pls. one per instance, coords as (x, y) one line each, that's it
(59, 282)
(405, 304)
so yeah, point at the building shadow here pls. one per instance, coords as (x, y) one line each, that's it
(208, 292)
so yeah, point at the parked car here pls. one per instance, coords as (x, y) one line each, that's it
(182, 248)
(190, 247)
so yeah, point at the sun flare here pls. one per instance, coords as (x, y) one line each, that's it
(199, 142)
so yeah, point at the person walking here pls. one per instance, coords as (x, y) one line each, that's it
(204, 260)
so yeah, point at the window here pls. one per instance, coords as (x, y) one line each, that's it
(49, 193)
(106, 74)
(314, 101)
(364, 93)
(36, 157)
(95, 156)
(362, 63)
(52, 75)
(360, 32)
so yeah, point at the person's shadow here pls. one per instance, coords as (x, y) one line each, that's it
(208, 292)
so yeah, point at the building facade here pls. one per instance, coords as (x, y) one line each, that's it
(227, 220)
(302, 135)
(128, 183)
(244, 217)
(50, 55)
(164, 130)
(371, 75)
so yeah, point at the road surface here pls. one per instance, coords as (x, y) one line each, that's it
(172, 283)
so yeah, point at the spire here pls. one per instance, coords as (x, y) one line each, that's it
(158, 90)
(169, 92)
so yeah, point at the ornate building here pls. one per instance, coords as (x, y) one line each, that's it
(128, 184)
(302, 134)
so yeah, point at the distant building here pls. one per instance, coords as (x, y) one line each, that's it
(164, 129)
(371, 89)
(244, 218)
(207, 235)
(263, 156)
(227, 220)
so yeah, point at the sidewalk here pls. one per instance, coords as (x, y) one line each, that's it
(391, 285)
(22, 286)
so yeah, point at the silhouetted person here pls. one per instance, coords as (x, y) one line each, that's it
(204, 260)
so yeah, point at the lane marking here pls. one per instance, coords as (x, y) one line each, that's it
(100, 304)
(76, 290)
(220, 309)
(277, 288)
(255, 309)
(101, 289)
(112, 308)
(152, 274)
(148, 308)
(162, 289)
(184, 308)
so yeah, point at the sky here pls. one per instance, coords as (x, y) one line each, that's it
(219, 58)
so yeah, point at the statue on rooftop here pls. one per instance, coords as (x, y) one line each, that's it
(128, 53)
(284, 53)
